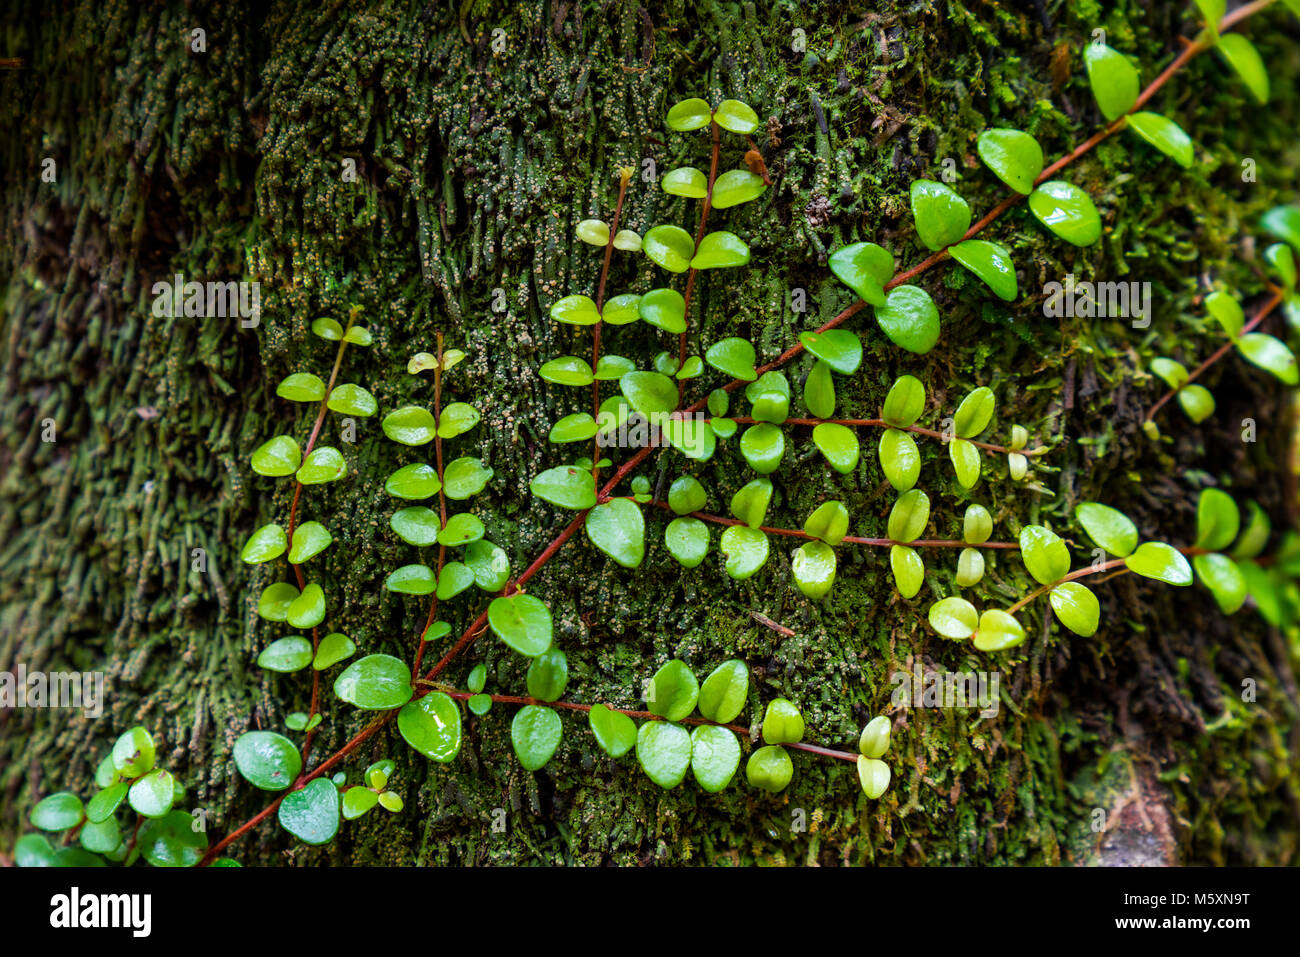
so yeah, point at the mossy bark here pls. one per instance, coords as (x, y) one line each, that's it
(474, 160)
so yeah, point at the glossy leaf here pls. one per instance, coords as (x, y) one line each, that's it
(617, 528)
(264, 545)
(1245, 59)
(431, 725)
(715, 757)
(1164, 134)
(1270, 354)
(322, 465)
(769, 768)
(350, 399)
(650, 393)
(750, 502)
(908, 570)
(413, 482)
(864, 268)
(1113, 79)
(1197, 402)
(769, 397)
(461, 529)
(171, 841)
(725, 691)
(1014, 156)
(664, 752)
(410, 425)
(276, 457)
(58, 812)
(301, 387)
(904, 403)
(829, 522)
(974, 413)
(1255, 535)
(736, 116)
(873, 775)
(720, 250)
(308, 609)
(686, 181)
(1217, 520)
(467, 476)
(954, 618)
(615, 732)
(267, 760)
(909, 516)
(454, 579)
(991, 263)
(745, 549)
(813, 568)
(311, 813)
(522, 622)
(610, 368)
(327, 328)
(576, 310)
(133, 752)
(874, 740)
(977, 524)
(1284, 223)
(489, 563)
(673, 691)
(1068, 211)
(669, 247)
(942, 216)
(101, 807)
(694, 436)
(686, 495)
(1044, 554)
(621, 310)
(762, 446)
(413, 579)
(665, 309)
(910, 319)
(838, 348)
(375, 683)
(566, 487)
(333, 648)
(1160, 561)
(736, 186)
(1222, 576)
(1108, 527)
(687, 540)
(819, 390)
(734, 357)
(1077, 608)
(782, 722)
(457, 419)
(567, 370)
(1227, 310)
(966, 461)
(309, 540)
(998, 631)
(286, 655)
(689, 115)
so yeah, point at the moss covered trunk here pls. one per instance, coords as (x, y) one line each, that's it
(475, 153)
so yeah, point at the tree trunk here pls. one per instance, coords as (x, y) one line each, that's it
(476, 152)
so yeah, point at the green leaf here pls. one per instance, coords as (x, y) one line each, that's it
(1113, 79)
(322, 465)
(333, 648)
(286, 654)
(966, 461)
(264, 545)
(693, 368)
(839, 348)
(813, 568)
(375, 683)
(577, 310)
(664, 751)
(689, 115)
(736, 116)
(819, 390)
(467, 476)
(723, 428)
(480, 704)
(415, 525)
(453, 580)
(171, 841)
(904, 403)
(750, 502)
(273, 605)
(358, 336)
(1108, 527)
(615, 732)
(301, 387)
(1284, 223)
(909, 516)
(910, 319)
(1212, 12)
(1164, 134)
(665, 309)
(1217, 520)
(413, 482)
(566, 487)
(308, 609)
(267, 760)
(769, 768)
(578, 427)
(1014, 157)
(942, 217)
(1197, 402)
(686, 495)
(103, 804)
(457, 419)
(745, 550)
(1044, 554)
(1255, 536)
(357, 801)
(829, 522)
(1282, 259)
(58, 812)
(908, 569)
(762, 446)
(153, 794)
(692, 435)
(769, 397)
(974, 413)
(970, 567)
(782, 722)
(736, 186)
(328, 329)
(410, 425)
(621, 310)
(977, 525)
(686, 181)
(991, 263)
(1160, 561)
(567, 370)
(1173, 373)
(522, 622)
(873, 775)
(535, 734)
(548, 675)
(673, 691)
(900, 459)
(670, 247)
(133, 753)
(735, 357)
(1271, 355)
(103, 837)
(954, 618)
(720, 250)
(1245, 59)
(687, 540)
(461, 529)
(650, 393)
(431, 725)
(874, 740)
(309, 540)
(276, 457)
(311, 813)
(1076, 607)
(864, 268)
(1227, 310)
(724, 692)
(350, 399)
(998, 631)
(1223, 577)
(1068, 211)
(489, 563)
(715, 756)
(618, 529)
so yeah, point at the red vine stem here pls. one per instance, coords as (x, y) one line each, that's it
(1218, 353)
(480, 622)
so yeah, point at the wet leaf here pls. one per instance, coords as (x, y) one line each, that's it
(567, 370)
(457, 419)
(489, 563)
(724, 692)
(745, 549)
(153, 794)
(942, 216)
(954, 618)
(873, 775)
(829, 522)
(1113, 79)
(734, 357)
(910, 319)
(461, 529)
(1044, 554)
(431, 725)
(311, 813)
(566, 487)
(349, 399)
(276, 457)
(664, 752)
(1164, 134)
(577, 310)
(466, 476)
(998, 631)
(309, 540)
(736, 116)
(736, 186)
(267, 760)
(904, 403)
(762, 446)
(416, 525)
(58, 812)
(909, 516)
(813, 568)
(719, 250)
(838, 348)
(1014, 156)
(689, 115)
(769, 768)
(535, 734)
(375, 683)
(864, 268)
(687, 540)
(669, 247)
(991, 263)
(333, 648)
(413, 482)
(715, 757)
(301, 387)
(1160, 561)
(686, 181)
(286, 655)
(1067, 211)
(1077, 608)
(264, 545)
(908, 569)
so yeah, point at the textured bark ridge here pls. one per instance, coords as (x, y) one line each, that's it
(473, 165)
